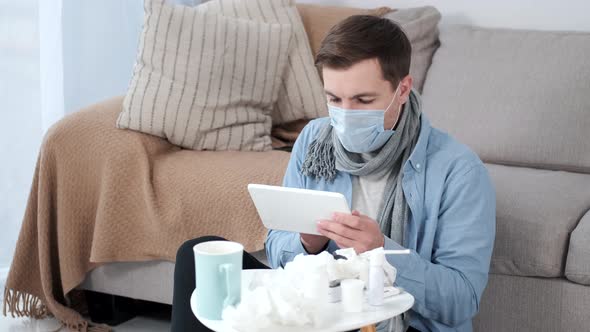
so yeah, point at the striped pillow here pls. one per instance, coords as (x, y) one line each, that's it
(301, 94)
(205, 81)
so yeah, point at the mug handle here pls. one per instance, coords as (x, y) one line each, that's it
(231, 298)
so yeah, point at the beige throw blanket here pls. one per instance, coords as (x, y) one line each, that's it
(102, 195)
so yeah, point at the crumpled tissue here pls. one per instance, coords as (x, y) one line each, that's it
(295, 295)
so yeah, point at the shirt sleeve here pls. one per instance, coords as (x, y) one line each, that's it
(448, 287)
(282, 246)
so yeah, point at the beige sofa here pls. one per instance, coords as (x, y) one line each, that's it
(521, 100)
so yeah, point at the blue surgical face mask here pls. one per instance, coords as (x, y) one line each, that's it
(361, 131)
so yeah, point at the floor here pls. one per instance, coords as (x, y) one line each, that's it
(137, 324)
(147, 324)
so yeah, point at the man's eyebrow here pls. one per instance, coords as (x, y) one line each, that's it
(363, 94)
(331, 94)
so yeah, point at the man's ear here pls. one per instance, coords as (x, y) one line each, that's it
(406, 87)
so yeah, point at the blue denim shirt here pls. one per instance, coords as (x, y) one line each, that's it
(450, 230)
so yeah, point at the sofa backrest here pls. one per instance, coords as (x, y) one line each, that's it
(515, 97)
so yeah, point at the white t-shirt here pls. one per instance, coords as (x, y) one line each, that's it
(368, 192)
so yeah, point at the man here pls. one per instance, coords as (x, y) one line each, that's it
(410, 185)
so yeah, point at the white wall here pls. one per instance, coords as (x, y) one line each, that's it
(100, 41)
(517, 14)
(20, 125)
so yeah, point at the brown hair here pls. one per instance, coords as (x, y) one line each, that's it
(362, 37)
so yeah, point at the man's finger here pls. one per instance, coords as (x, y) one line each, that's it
(341, 241)
(338, 228)
(349, 220)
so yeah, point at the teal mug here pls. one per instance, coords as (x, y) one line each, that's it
(218, 273)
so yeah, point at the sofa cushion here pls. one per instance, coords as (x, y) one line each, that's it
(318, 20)
(515, 97)
(421, 26)
(203, 81)
(301, 95)
(536, 212)
(577, 268)
(511, 304)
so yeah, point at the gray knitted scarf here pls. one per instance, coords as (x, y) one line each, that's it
(326, 156)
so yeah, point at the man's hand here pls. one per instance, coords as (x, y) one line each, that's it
(352, 231)
(313, 243)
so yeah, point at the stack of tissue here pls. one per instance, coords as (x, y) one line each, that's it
(293, 296)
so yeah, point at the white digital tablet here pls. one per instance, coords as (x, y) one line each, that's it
(295, 210)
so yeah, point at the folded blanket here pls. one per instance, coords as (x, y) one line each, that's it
(283, 136)
(101, 194)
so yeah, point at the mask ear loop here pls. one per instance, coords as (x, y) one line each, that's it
(400, 106)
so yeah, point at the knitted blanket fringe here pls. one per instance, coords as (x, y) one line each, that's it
(21, 304)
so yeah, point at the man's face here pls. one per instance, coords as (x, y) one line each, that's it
(363, 87)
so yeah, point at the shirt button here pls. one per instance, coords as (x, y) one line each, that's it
(418, 166)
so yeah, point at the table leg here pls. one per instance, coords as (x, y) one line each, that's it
(369, 328)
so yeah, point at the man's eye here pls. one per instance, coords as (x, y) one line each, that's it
(334, 100)
(363, 101)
